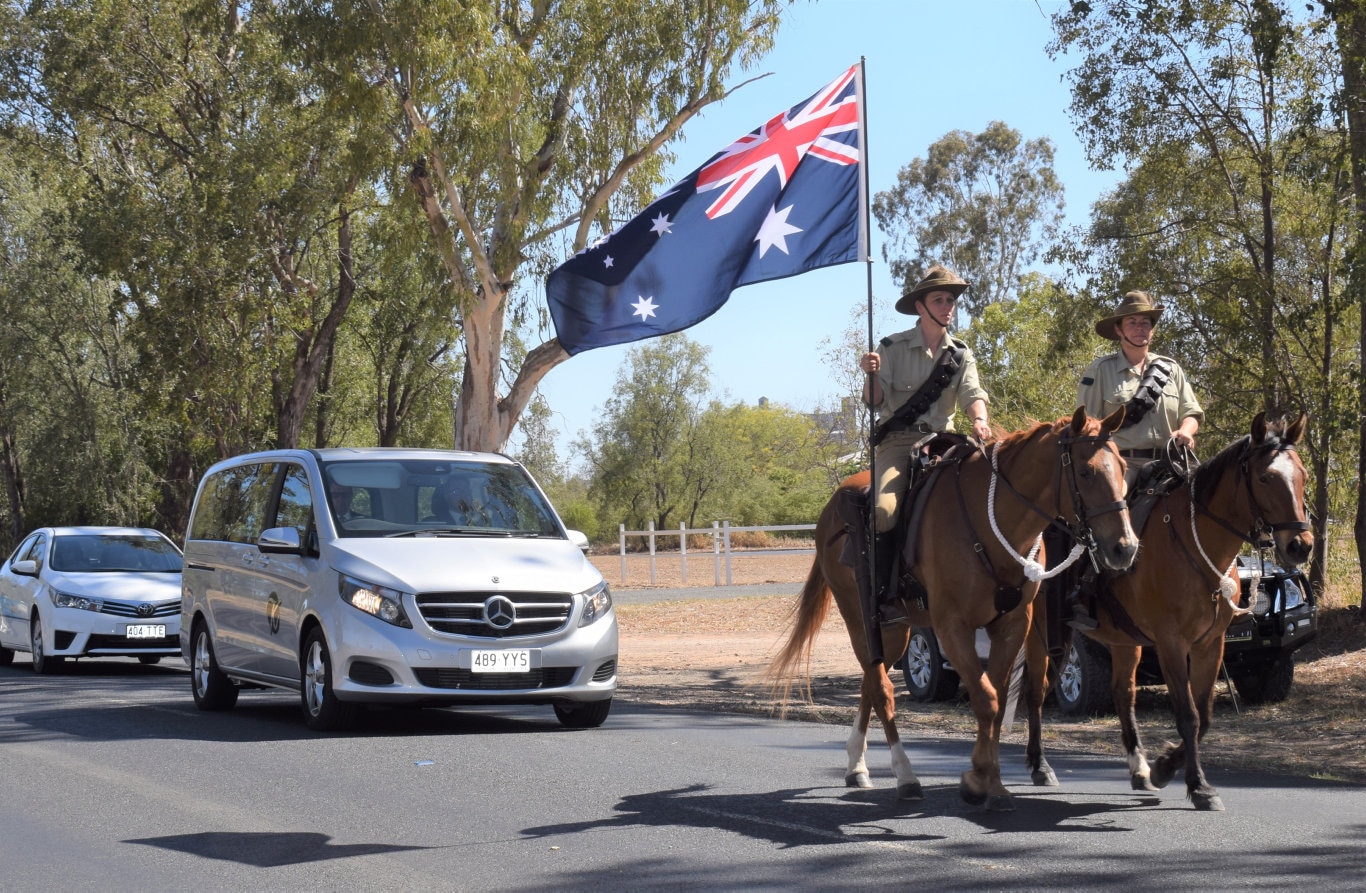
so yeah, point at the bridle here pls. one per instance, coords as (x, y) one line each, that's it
(1261, 533)
(1081, 531)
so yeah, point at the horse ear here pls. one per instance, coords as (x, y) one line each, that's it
(1296, 429)
(1114, 420)
(1079, 420)
(1259, 428)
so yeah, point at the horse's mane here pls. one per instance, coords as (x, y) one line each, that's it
(1034, 430)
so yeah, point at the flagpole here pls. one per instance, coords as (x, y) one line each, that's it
(875, 641)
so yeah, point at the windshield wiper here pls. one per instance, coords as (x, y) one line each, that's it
(436, 531)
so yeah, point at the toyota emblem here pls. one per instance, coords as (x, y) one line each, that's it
(500, 612)
(145, 609)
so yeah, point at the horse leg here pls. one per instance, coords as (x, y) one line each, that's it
(1123, 688)
(1175, 670)
(982, 783)
(857, 745)
(1036, 685)
(1205, 660)
(879, 694)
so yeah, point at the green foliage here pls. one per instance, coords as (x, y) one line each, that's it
(981, 203)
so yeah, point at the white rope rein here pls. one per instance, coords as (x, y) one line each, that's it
(1228, 586)
(1032, 569)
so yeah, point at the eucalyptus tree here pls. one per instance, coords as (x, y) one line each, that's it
(523, 129)
(1238, 86)
(983, 203)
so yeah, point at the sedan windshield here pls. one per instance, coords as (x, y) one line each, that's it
(106, 553)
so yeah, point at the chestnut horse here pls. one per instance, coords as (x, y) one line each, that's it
(1180, 596)
(1069, 469)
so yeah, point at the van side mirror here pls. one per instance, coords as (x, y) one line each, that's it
(280, 540)
(577, 538)
(26, 568)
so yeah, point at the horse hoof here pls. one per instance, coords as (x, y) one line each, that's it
(857, 780)
(1001, 803)
(1142, 783)
(1207, 802)
(911, 790)
(971, 797)
(1162, 773)
(1044, 777)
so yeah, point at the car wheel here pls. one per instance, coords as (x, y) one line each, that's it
(322, 710)
(1270, 685)
(927, 679)
(213, 690)
(43, 662)
(6, 656)
(149, 659)
(577, 715)
(1082, 679)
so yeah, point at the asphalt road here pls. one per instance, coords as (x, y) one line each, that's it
(113, 781)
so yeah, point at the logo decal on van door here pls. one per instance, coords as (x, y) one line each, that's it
(273, 613)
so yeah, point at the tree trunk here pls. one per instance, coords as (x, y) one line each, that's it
(1350, 16)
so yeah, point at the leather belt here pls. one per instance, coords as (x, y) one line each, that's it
(1150, 453)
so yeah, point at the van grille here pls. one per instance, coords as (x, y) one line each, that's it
(452, 677)
(483, 614)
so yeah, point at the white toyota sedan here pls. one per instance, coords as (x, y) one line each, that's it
(90, 592)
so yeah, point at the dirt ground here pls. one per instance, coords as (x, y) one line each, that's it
(711, 654)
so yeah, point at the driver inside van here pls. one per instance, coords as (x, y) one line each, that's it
(339, 497)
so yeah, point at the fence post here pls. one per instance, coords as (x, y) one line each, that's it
(683, 552)
(652, 553)
(716, 552)
(725, 526)
(622, 547)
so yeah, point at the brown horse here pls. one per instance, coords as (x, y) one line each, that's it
(1180, 596)
(1069, 469)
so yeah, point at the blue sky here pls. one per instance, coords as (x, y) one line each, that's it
(933, 66)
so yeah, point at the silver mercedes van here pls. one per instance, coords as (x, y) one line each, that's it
(391, 576)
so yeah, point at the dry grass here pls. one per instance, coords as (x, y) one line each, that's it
(711, 654)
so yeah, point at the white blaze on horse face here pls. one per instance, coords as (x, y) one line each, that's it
(1284, 466)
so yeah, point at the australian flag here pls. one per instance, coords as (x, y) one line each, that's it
(781, 200)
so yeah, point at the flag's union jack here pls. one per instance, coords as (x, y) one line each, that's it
(782, 143)
(785, 199)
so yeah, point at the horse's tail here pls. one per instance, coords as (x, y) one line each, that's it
(795, 654)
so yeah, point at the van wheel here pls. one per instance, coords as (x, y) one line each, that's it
(590, 715)
(212, 689)
(43, 663)
(322, 711)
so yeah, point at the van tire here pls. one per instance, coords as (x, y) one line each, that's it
(211, 687)
(577, 715)
(323, 712)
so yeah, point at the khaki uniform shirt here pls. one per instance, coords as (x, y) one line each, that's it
(1110, 382)
(907, 363)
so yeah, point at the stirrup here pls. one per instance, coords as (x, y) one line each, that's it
(892, 613)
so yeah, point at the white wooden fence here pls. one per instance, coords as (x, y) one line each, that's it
(721, 552)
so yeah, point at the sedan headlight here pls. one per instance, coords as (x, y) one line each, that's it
(377, 601)
(79, 602)
(597, 602)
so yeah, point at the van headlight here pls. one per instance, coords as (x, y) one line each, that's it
(597, 602)
(79, 602)
(377, 601)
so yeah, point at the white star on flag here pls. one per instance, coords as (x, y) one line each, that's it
(662, 223)
(645, 308)
(776, 229)
(607, 261)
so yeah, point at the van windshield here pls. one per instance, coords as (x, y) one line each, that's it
(370, 497)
